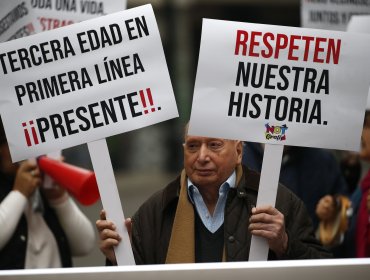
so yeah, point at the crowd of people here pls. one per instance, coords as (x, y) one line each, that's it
(207, 214)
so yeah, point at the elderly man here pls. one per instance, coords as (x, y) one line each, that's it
(208, 214)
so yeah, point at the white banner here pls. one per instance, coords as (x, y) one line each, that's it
(84, 82)
(281, 85)
(331, 14)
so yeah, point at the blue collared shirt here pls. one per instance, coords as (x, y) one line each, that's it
(211, 222)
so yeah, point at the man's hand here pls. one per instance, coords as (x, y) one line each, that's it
(325, 208)
(109, 237)
(268, 222)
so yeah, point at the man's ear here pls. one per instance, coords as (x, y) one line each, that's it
(239, 150)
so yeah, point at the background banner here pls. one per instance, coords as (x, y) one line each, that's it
(51, 14)
(16, 20)
(331, 14)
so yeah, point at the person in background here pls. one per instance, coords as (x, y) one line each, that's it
(208, 214)
(40, 228)
(356, 241)
(310, 173)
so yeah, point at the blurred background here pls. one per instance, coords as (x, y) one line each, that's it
(147, 159)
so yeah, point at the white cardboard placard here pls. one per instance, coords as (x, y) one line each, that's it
(105, 76)
(132, 94)
(359, 24)
(292, 86)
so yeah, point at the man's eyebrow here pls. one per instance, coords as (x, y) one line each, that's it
(220, 139)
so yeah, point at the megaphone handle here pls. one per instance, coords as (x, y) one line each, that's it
(109, 195)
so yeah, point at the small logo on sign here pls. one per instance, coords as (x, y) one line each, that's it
(275, 132)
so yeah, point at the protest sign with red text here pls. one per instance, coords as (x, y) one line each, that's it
(281, 85)
(84, 82)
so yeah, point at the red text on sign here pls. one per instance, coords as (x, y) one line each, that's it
(292, 47)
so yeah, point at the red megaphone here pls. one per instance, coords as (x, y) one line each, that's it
(79, 182)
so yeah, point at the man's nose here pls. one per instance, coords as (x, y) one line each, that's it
(203, 152)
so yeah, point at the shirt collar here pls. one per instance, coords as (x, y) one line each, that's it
(229, 183)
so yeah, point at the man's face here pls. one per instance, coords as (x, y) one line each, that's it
(209, 162)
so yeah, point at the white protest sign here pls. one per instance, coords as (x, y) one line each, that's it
(82, 83)
(360, 24)
(331, 14)
(51, 14)
(16, 20)
(280, 86)
(19, 19)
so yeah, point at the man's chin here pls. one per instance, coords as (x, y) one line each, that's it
(200, 180)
